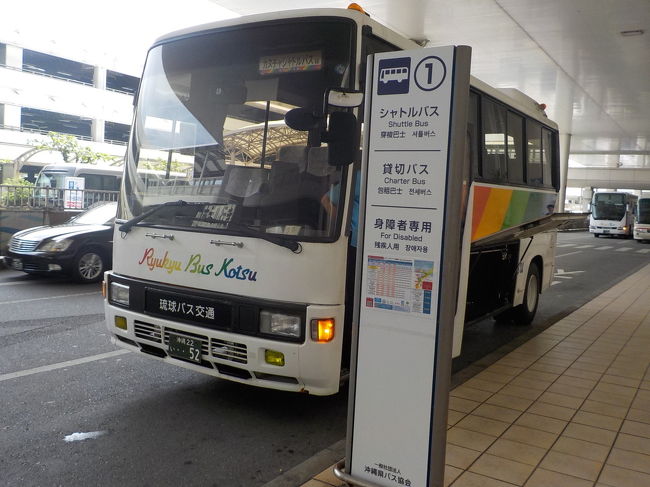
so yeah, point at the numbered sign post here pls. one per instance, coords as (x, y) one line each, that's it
(415, 128)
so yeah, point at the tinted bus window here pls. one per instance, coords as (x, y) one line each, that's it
(515, 148)
(494, 141)
(472, 134)
(547, 157)
(534, 173)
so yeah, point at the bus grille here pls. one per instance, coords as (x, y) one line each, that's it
(147, 331)
(226, 350)
(221, 349)
(23, 245)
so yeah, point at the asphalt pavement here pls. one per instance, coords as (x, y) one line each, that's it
(79, 411)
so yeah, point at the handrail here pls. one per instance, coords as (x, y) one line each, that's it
(28, 197)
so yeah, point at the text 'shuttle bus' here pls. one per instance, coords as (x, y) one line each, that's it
(245, 270)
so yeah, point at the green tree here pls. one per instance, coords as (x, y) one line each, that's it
(70, 149)
(19, 192)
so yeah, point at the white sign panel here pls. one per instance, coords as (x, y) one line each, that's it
(407, 153)
(73, 196)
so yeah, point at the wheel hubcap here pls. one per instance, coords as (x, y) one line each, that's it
(531, 292)
(90, 266)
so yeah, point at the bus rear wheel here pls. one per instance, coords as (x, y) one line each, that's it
(525, 312)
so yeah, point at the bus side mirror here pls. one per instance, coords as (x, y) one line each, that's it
(342, 139)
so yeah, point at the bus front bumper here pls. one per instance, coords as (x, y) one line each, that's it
(308, 367)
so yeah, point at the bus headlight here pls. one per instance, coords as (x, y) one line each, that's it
(119, 294)
(280, 324)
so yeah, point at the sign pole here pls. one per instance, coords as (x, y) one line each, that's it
(408, 262)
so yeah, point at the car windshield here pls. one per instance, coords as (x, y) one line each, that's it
(210, 123)
(644, 211)
(100, 215)
(608, 206)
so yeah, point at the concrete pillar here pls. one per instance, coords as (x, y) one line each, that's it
(565, 148)
(10, 56)
(98, 125)
(407, 16)
(585, 198)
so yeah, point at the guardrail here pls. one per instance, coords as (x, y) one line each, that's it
(30, 197)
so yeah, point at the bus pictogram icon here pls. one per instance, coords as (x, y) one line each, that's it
(394, 76)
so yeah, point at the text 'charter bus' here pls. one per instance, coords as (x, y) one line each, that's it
(245, 270)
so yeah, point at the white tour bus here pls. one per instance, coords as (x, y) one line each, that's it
(642, 220)
(246, 271)
(612, 213)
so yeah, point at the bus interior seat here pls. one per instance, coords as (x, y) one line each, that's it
(317, 164)
(246, 184)
(296, 154)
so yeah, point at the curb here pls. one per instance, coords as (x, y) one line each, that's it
(305, 471)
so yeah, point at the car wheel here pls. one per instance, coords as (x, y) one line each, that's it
(525, 312)
(89, 266)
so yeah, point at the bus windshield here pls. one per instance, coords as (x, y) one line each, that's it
(608, 206)
(212, 107)
(52, 179)
(644, 211)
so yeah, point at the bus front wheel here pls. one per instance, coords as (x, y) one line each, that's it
(525, 312)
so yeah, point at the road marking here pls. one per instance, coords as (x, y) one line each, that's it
(14, 283)
(643, 251)
(62, 365)
(623, 249)
(49, 297)
(565, 245)
(570, 253)
(604, 247)
(584, 246)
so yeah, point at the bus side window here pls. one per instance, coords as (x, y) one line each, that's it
(494, 141)
(547, 157)
(515, 148)
(472, 132)
(110, 183)
(93, 181)
(534, 174)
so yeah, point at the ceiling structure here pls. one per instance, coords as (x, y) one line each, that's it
(587, 60)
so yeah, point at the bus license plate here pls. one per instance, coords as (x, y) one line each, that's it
(184, 347)
(605, 231)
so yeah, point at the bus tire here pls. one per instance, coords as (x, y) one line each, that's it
(525, 312)
(89, 266)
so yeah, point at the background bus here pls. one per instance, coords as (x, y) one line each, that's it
(612, 214)
(251, 278)
(642, 220)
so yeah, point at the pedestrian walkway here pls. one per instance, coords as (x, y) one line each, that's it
(569, 408)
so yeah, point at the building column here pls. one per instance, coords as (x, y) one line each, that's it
(10, 56)
(565, 148)
(407, 16)
(98, 125)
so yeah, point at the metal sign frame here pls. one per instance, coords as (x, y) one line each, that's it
(427, 70)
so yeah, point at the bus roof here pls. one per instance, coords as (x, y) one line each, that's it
(510, 96)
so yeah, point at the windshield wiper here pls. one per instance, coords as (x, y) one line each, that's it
(126, 226)
(248, 231)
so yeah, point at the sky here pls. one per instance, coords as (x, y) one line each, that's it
(114, 34)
